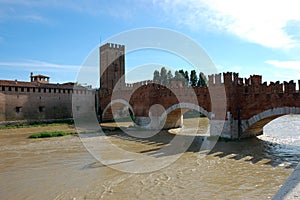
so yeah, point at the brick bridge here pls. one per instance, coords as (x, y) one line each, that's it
(236, 107)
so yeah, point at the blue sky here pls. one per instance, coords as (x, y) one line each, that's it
(55, 37)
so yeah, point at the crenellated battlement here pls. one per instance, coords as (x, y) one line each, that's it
(113, 46)
(253, 84)
(138, 84)
(20, 87)
(231, 81)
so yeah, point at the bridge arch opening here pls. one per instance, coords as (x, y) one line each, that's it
(283, 129)
(118, 110)
(176, 115)
(255, 125)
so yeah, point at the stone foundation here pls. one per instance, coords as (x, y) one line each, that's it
(157, 123)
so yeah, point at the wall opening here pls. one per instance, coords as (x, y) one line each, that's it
(119, 111)
(194, 120)
(41, 109)
(18, 109)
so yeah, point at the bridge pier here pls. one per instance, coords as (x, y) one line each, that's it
(224, 129)
(233, 129)
(157, 122)
(142, 121)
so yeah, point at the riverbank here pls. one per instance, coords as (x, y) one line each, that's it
(61, 168)
(27, 130)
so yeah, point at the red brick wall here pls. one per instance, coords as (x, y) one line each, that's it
(249, 96)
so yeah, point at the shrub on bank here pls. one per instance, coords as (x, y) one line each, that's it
(50, 134)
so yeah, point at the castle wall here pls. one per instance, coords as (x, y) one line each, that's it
(37, 102)
(2, 107)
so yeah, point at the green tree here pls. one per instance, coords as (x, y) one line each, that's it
(186, 76)
(156, 76)
(181, 73)
(169, 76)
(181, 77)
(177, 76)
(163, 76)
(193, 78)
(202, 80)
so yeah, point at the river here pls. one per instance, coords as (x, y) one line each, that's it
(61, 168)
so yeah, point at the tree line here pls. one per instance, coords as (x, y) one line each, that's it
(165, 77)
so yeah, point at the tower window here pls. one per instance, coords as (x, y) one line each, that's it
(18, 109)
(41, 108)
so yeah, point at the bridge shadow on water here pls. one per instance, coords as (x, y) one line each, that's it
(254, 150)
(258, 151)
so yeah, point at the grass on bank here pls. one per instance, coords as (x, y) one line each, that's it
(35, 125)
(50, 134)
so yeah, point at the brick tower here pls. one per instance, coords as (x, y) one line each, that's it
(112, 65)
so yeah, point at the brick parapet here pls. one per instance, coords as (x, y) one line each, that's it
(242, 94)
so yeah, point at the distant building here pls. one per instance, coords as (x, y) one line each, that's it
(39, 78)
(39, 100)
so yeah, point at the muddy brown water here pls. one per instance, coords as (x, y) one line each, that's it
(61, 168)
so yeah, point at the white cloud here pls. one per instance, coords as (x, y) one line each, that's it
(261, 22)
(32, 10)
(222, 68)
(286, 70)
(21, 11)
(20, 70)
(292, 65)
(39, 65)
(285, 76)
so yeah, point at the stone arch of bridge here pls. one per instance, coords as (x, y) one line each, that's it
(173, 116)
(115, 108)
(254, 125)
